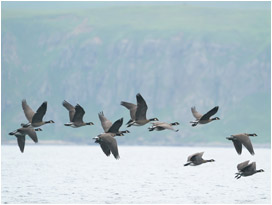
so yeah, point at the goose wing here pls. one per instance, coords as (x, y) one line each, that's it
(196, 155)
(78, 117)
(105, 148)
(141, 108)
(242, 165)
(27, 110)
(106, 124)
(196, 114)
(210, 113)
(249, 168)
(112, 145)
(21, 142)
(131, 107)
(238, 146)
(70, 108)
(116, 126)
(165, 126)
(31, 133)
(38, 116)
(245, 140)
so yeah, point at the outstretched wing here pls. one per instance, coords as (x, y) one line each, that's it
(242, 165)
(38, 116)
(210, 113)
(238, 146)
(105, 148)
(116, 126)
(245, 140)
(141, 108)
(191, 157)
(106, 124)
(78, 117)
(249, 168)
(131, 107)
(31, 133)
(112, 145)
(21, 142)
(27, 110)
(70, 108)
(196, 114)
(165, 126)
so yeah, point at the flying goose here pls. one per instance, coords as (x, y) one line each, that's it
(196, 159)
(22, 132)
(35, 119)
(132, 109)
(108, 144)
(244, 139)
(245, 169)
(140, 114)
(76, 115)
(162, 126)
(204, 119)
(109, 127)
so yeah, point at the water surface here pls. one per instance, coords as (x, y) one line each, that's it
(83, 174)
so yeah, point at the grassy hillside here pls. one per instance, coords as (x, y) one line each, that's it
(175, 55)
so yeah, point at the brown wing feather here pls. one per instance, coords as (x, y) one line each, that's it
(131, 107)
(28, 111)
(70, 108)
(245, 140)
(242, 165)
(105, 123)
(196, 114)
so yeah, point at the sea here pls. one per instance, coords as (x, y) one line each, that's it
(83, 174)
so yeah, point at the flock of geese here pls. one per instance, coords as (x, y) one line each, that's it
(137, 111)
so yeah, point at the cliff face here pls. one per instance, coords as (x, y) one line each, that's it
(175, 56)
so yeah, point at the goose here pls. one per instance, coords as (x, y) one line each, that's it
(162, 126)
(22, 132)
(35, 119)
(109, 127)
(240, 139)
(76, 115)
(140, 114)
(108, 144)
(196, 159)
(132, 109)
(245, 169)
(204, 119)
